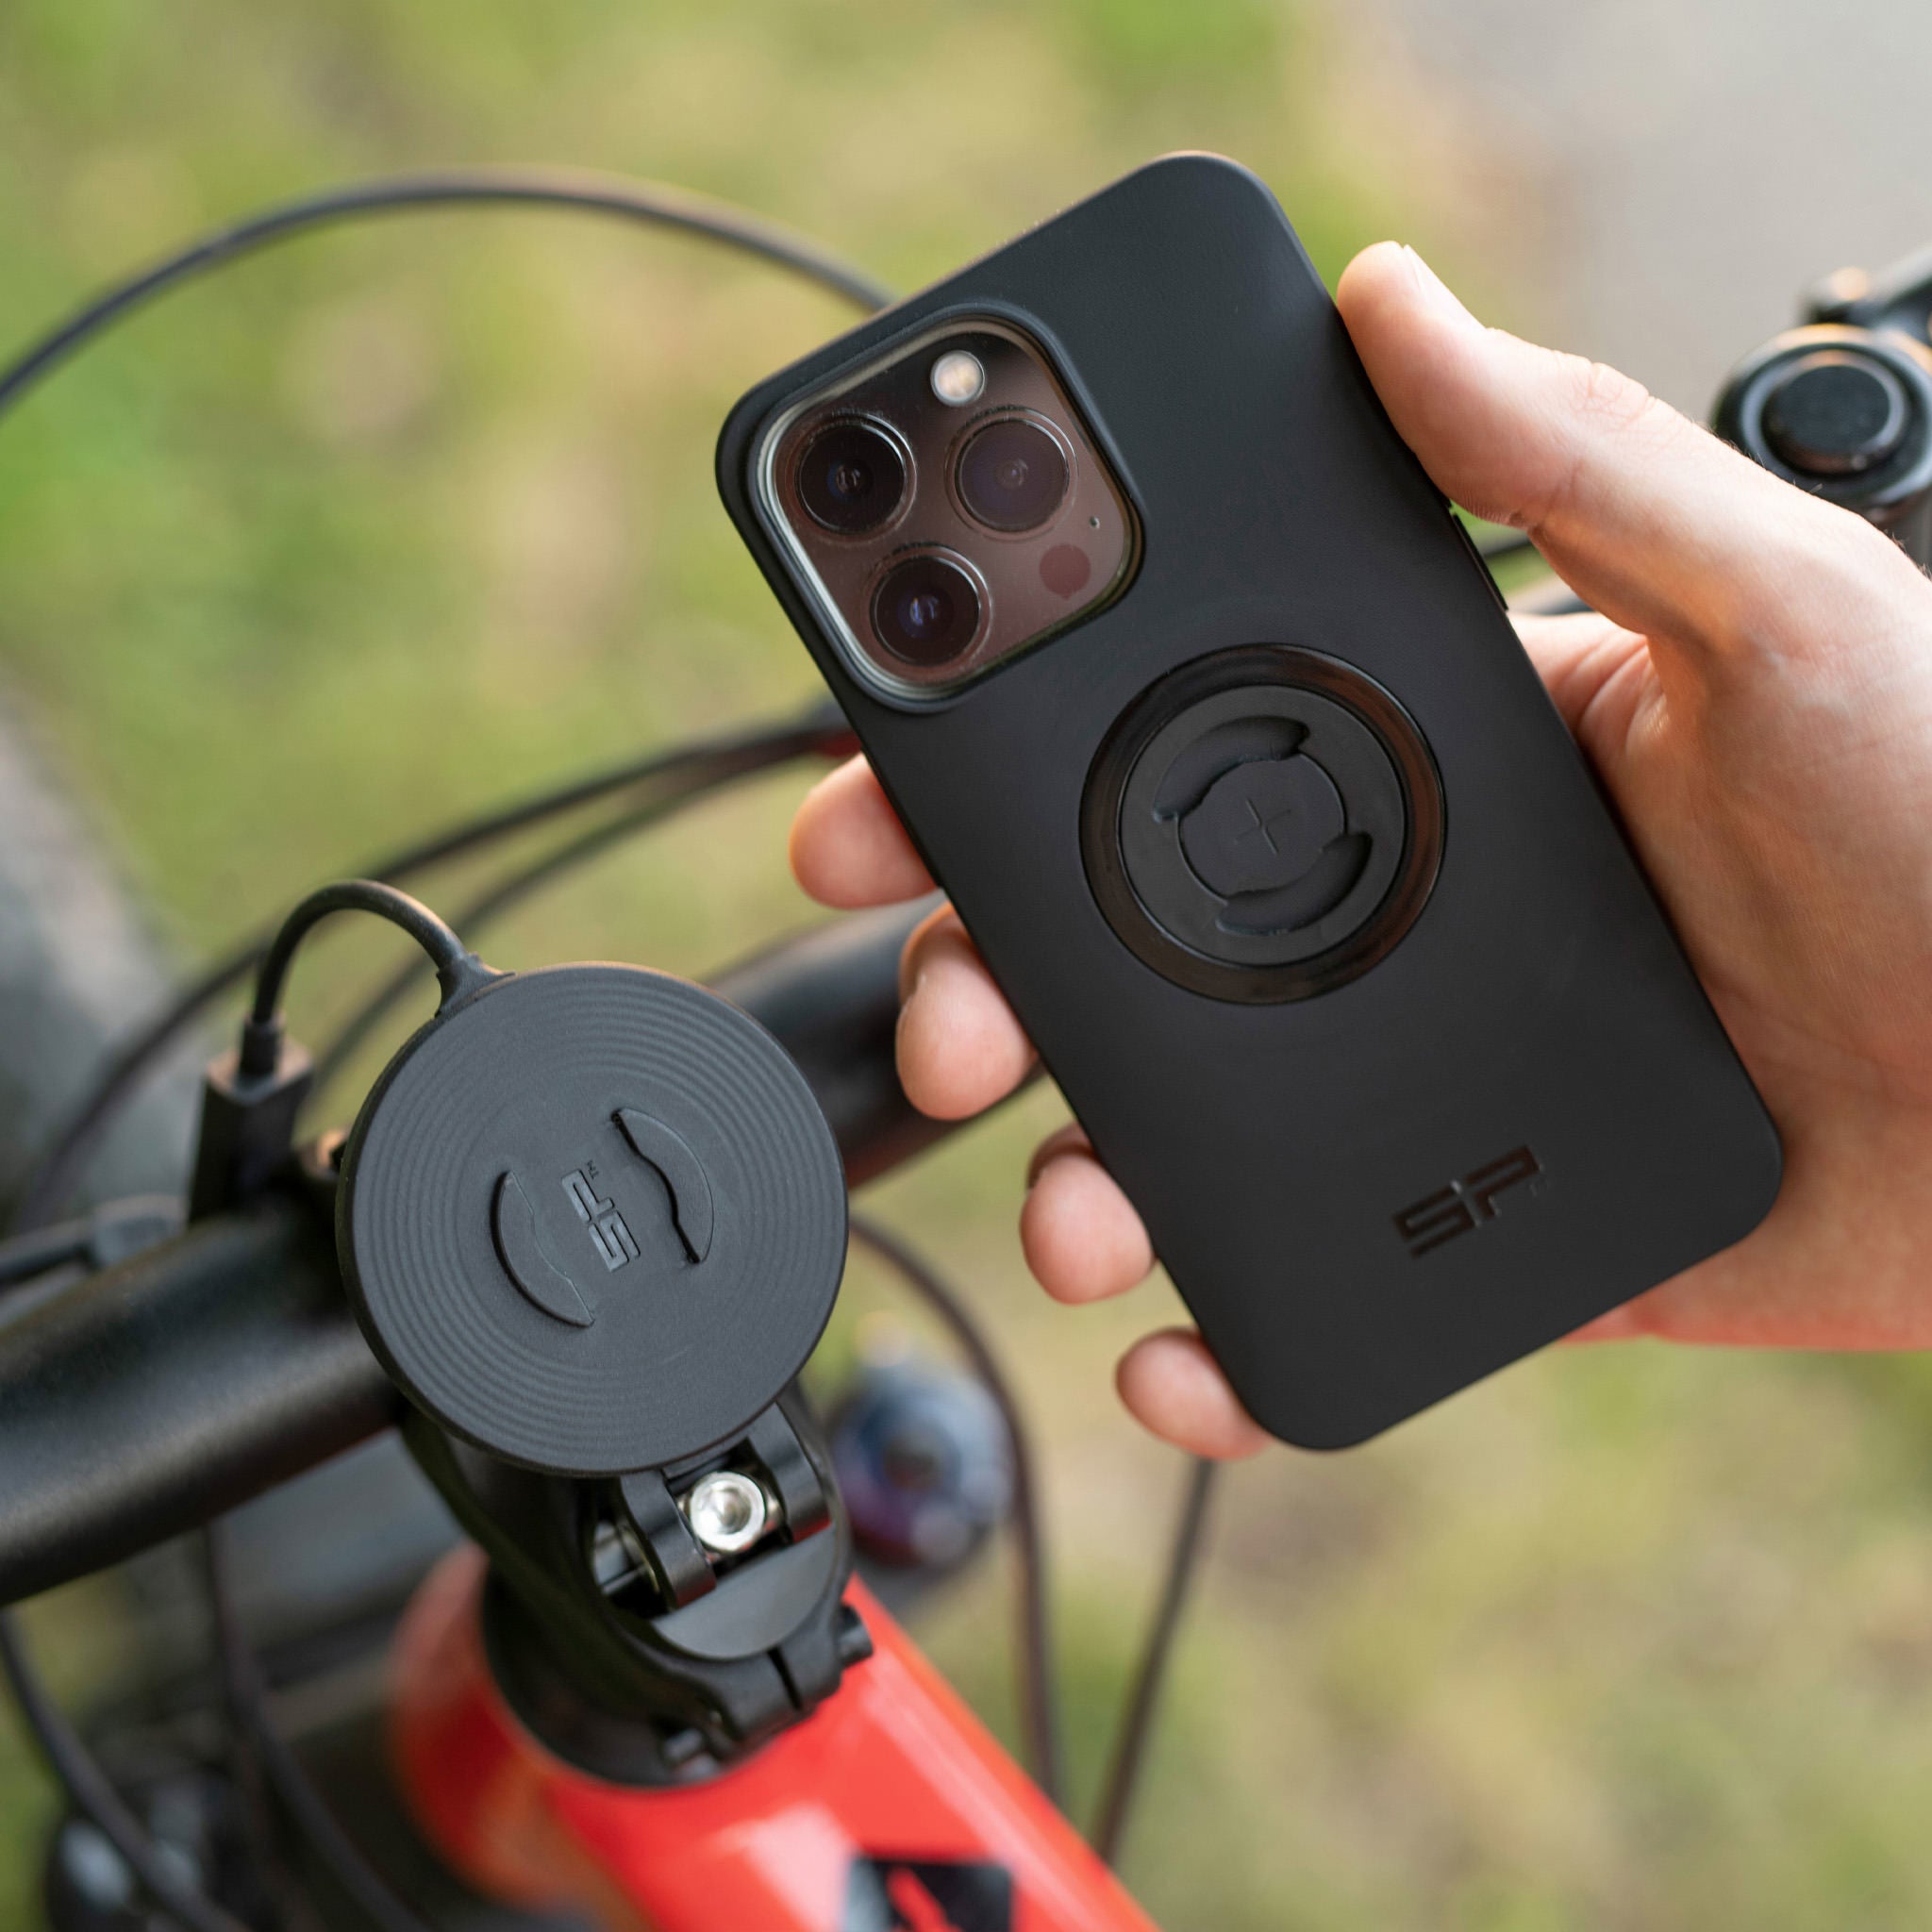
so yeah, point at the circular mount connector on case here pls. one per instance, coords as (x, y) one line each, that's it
(592, 1220)
(1263, 825)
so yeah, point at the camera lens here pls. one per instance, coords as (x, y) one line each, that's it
(926, 610)
(850, 477)
(1012, 474)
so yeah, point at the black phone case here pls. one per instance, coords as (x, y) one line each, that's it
(1525, 1111)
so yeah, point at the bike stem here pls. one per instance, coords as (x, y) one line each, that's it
(890, 1808)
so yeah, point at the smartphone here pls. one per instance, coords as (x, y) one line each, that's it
(1202, 707)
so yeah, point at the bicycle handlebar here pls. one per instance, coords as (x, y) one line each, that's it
(165, 1390)
(148, 1398)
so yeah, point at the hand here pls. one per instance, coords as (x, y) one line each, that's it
(1757, 696)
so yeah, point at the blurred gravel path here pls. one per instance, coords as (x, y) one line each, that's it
(1685, 166)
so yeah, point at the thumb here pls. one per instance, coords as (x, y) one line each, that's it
(1655, 521)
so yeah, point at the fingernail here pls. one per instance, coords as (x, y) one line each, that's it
(1431, 287)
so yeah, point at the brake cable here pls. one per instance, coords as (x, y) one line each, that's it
(1137, 1726)
(92, 1794)
(579, 191)
(648, 203)
(1035, 1647)
(246, 1691)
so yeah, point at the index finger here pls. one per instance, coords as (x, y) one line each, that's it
(848, 848)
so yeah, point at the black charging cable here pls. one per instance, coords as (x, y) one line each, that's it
(458, 970)
(250, 1100)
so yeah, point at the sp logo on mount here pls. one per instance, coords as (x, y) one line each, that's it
(1263, 825)
(636, 1151)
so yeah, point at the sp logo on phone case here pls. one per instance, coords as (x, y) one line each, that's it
(1463, 1205)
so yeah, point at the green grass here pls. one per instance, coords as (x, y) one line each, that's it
(395, 524)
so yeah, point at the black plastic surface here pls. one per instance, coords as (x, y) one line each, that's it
(591, 1219)
(1262, 825)
(1537, 1021)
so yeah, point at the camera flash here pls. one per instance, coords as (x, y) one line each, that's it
(958, 377)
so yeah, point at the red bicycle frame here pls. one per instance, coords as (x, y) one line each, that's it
(890, 1810)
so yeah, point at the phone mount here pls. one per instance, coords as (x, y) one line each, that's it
(591, 1219)
(592, 1223)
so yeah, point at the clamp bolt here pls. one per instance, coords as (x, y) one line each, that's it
(728, 1512)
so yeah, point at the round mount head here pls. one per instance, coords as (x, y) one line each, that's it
(591, 1219)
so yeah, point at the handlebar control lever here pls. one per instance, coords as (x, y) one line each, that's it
(1842, 405)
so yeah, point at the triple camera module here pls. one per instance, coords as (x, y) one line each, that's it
(951, 507)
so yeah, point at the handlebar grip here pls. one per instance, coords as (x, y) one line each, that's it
(160, 1393)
